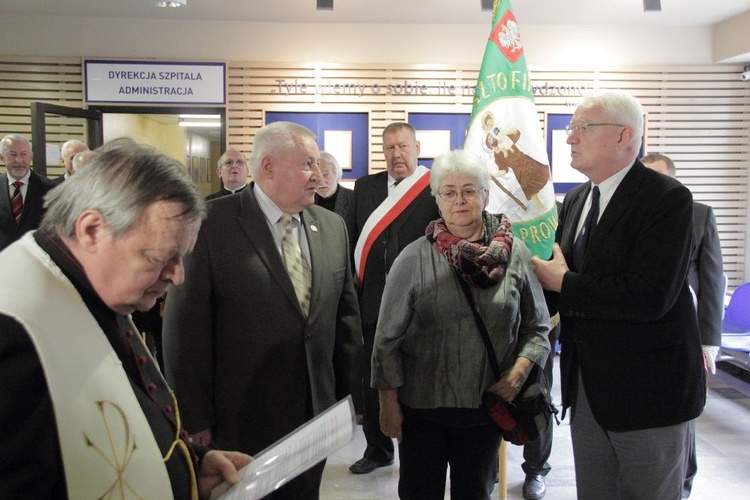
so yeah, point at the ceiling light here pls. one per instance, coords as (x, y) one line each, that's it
(199, 124)
(651, 5)
(324, 5)
(215, 117)
(169, 3)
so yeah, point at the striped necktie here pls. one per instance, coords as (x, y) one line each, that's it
(16, 202)
(296, 265)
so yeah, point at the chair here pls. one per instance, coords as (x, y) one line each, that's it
(735, 330)
(737, 314)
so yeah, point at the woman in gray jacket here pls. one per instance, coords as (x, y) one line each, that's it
(429, 362)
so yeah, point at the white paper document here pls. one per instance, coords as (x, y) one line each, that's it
(293, 454)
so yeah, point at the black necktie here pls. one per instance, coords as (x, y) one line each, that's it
(579, 247)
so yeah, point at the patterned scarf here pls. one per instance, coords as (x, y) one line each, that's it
(481, 265)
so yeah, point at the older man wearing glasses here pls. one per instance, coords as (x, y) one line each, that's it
(631, 361)
(232, 169)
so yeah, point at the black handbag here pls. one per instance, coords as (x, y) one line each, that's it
(530, 413)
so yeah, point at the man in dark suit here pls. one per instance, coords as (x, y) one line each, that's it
(706, 278)
(390, 210)
(67, 151)
(331, 194)
(255, 348)
(15, 152)
(232, 169)
(631, 360)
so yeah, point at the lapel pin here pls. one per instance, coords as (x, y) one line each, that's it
(313, 228)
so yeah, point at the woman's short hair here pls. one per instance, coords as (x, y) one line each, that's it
(460, 162)
(121, 181)
(331, 160)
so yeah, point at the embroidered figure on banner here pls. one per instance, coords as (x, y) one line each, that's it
(531, 175)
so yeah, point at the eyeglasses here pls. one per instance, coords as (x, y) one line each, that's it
(450, 195)
(582, 127)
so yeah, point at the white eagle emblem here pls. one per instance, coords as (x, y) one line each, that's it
(510, 36)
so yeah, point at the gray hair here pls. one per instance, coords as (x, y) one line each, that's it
(460, 162)
(5, 142)
(80, 159)
(394, 127)
(73, 142)
(619, 107)
(656, 157)
(121, 181)
(330, 159)
(276, 138)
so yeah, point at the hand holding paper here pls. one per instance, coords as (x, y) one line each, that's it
(292, 455)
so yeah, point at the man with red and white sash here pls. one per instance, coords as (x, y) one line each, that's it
(390, 210)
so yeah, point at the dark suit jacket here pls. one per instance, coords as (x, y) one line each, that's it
(705, 274)
(628, 320)
(342, 201)
(33, 208)
(243, 359)
(369, 193)
(59, 179)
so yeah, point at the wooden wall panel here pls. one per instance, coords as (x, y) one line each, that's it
(698, 115)
(50, 80)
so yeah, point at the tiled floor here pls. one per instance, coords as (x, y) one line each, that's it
(723, 443)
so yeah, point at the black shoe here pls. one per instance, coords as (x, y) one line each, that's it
(534, 487)
(366, 465)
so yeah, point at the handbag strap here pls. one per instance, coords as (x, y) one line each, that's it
(482, 329)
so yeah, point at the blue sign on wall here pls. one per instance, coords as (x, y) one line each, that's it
(456, 123)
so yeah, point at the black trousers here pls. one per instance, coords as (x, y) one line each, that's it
(692, 465)
(428, 448)
(379, 446)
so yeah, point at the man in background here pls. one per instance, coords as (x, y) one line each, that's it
(67, 151)
(401, 194)
(83, 158)
(631, 359)
(706, 278)
(232, 170)
(331, 194)
(21, 190)
(266, 334)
